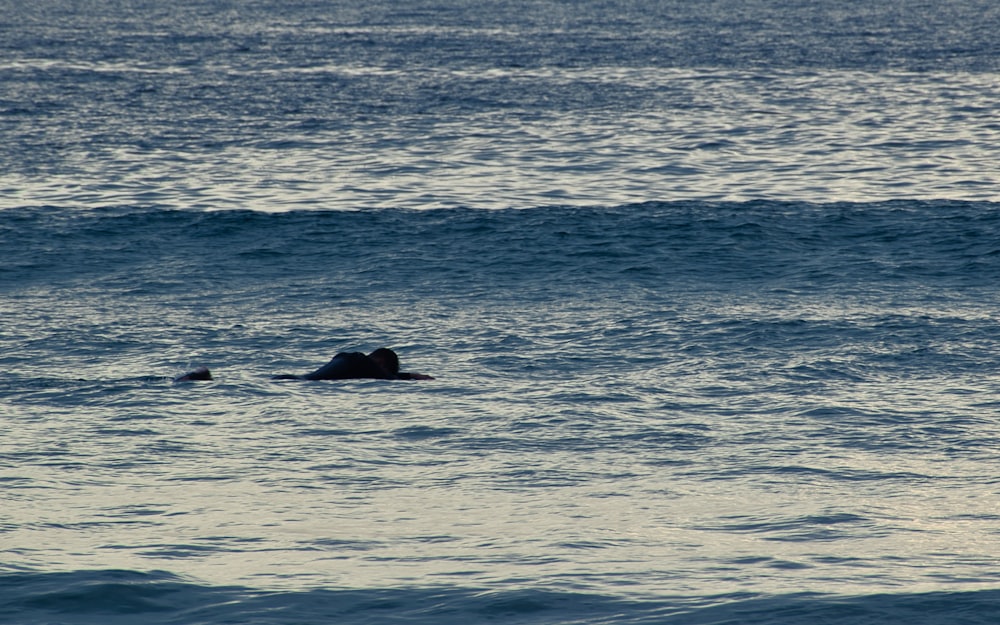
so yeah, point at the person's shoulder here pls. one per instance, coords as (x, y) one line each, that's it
(201, 373)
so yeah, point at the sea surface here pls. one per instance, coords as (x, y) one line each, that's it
(709, 291)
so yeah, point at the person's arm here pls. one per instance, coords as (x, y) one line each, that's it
(413, 376)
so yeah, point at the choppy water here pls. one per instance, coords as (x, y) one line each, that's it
(709, 292)
(213, 105)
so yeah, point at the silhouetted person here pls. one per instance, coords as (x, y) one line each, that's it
(381, 364)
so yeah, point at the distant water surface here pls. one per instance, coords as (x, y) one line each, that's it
(214, 105)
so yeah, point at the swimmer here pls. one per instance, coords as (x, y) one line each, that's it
(381, 364)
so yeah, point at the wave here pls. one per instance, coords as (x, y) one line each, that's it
(858, 289)
(761, 242)
(161, 598)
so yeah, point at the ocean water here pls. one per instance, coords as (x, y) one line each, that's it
(709, 291)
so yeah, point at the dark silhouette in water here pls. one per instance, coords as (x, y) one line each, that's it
(201, 373)
(381, 364)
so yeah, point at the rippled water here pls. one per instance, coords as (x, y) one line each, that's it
(723, 350)
(680, 406)
(827, 135)
(319, 106)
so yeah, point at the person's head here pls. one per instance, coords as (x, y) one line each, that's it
(386, 358)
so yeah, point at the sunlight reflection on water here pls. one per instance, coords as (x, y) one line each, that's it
(824, 136)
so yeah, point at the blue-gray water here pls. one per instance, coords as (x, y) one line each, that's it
(709, 290)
